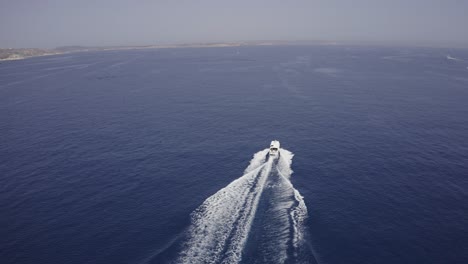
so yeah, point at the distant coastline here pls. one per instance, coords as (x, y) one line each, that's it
(7, 54)
(19, 54)
(23, 53)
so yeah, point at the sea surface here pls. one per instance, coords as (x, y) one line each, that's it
(160, 156)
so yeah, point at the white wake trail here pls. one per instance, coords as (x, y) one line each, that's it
(453, 58)
(258, 217)
(237, 243)
(285, 171)
(221, 224)
(258, 159)
(280, 225)
(299, 212)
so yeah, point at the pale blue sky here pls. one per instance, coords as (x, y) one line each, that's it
(51, 23)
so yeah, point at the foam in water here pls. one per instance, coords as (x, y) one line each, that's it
(298, 212)
(258, 159)
(262, 201)
(453, 58)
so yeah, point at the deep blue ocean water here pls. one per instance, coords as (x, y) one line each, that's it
(105, 155)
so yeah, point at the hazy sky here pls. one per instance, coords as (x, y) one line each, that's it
(51, 23)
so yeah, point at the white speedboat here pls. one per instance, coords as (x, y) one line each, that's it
(274, 148)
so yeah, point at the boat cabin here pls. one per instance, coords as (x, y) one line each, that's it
(274, 148)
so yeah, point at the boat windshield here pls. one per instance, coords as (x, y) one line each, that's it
(273, 149)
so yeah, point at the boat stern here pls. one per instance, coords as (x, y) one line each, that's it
(274, 148)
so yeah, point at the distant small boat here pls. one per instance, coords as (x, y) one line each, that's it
(274, 148)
